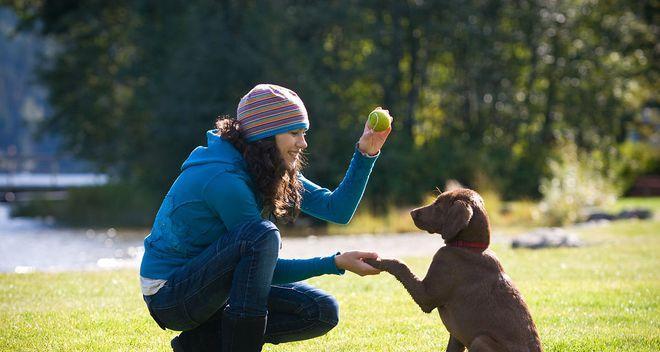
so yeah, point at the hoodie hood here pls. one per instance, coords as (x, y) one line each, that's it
(217, 150)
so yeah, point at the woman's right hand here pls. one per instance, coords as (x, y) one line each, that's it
(352, 261)
(371, 141)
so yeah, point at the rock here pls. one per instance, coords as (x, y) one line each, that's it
(598, 216)
(546, 238)
(639, 213)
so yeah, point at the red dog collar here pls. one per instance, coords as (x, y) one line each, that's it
(480, 246)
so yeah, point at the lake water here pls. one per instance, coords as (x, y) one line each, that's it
(28, 245)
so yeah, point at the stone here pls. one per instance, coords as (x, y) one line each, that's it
(546, 238)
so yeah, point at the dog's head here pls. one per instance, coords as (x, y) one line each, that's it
(456, 215)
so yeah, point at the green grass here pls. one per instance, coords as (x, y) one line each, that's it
(601, 297)
(652, 203)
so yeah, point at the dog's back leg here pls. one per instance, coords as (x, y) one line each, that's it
(454, 345)
(484, 343)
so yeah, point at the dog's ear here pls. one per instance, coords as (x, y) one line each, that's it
(457, 218)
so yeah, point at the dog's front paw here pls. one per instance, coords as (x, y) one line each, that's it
(389, 265)
(376, 263)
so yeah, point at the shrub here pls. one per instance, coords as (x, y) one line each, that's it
(636, 159)
(578, 180)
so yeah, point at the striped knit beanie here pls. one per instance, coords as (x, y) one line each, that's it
(268, 110)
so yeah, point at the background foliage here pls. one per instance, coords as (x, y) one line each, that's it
(481, 91)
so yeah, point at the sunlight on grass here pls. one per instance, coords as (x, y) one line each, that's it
(652, 203)
(601, 297)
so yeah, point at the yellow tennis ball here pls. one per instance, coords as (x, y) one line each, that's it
(379, 119)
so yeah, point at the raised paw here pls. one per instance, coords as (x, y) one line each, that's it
(376, 263)
(389, 265)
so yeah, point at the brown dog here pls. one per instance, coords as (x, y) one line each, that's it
(477, 301)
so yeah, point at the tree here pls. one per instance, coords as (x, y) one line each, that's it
(478, 89)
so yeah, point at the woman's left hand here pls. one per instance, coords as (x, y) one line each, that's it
(352, 261)
(371, 141)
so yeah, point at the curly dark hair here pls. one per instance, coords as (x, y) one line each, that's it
(279, 188)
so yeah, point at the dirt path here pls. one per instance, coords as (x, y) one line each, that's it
(388, 245)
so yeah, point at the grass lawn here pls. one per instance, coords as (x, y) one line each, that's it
(601, 297)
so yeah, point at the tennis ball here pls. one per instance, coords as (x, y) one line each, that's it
(379, 119)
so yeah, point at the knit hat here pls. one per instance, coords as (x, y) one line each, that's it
(267, 110)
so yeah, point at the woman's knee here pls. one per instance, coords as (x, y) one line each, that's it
(328, 312)
(302, 312)
(321, 306)
(262, 234)
(269, 242)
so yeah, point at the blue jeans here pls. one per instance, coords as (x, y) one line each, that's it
(234, 275)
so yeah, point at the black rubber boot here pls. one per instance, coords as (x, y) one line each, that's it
(242, 334)
(205, 338)
(177, 344)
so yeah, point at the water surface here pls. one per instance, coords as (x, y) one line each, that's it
(28, 245)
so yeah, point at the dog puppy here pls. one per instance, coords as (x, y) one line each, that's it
(478, 303)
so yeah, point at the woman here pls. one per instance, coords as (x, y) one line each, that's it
(211, 266)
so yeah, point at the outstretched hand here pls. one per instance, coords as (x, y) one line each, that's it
(353, 262)
(371, 141)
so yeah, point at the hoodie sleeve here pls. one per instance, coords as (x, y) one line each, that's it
(339, 205)
(232, 199)
(293, 270)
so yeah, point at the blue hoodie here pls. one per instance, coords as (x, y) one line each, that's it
(213, 195)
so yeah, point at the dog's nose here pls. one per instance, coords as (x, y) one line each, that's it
(414, 214)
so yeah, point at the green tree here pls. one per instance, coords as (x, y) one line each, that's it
(477, 88)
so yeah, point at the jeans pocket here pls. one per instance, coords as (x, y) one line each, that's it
(174, 318)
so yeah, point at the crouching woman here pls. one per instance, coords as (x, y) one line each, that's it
(211, 266)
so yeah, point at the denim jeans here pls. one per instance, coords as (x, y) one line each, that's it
(234, 275)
